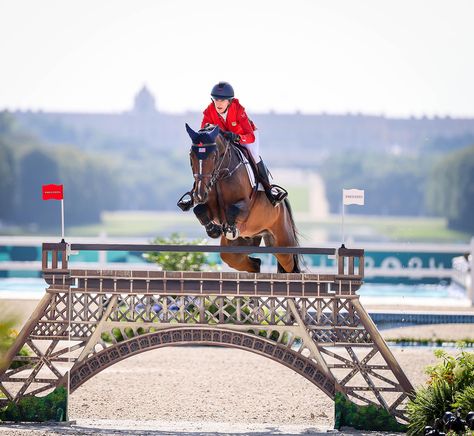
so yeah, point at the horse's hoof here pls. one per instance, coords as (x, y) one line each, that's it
(257, 262)
(231, 233)
(213, 230)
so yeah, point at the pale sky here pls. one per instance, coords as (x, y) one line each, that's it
(398, 58)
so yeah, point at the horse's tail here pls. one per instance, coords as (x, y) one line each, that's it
(296, 257)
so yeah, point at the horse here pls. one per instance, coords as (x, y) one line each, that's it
(230, 208)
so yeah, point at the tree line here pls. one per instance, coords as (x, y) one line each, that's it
(451, 189)
(434, 183)
(25, 165)
(435, 180)
(94, 181)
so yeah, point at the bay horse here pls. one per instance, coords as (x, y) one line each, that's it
(230, 208)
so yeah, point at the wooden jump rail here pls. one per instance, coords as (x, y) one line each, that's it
(347, 259)
(346, 281)
(312, 323)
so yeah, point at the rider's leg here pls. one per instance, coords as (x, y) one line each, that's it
(273, 192)
(254, 148)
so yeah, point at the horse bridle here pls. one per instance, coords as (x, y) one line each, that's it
(215, 175)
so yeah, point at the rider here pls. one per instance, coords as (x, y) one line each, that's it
(226, 112)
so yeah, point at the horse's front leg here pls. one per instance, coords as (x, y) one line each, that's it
(202, 213)
(233, 212)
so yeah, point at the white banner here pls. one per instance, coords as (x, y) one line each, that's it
(353, 196)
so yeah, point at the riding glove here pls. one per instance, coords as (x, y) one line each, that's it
(231, 136)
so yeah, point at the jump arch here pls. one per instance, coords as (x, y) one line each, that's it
(324, 333)
(202, 336)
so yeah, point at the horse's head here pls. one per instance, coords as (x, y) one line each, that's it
(204, 159)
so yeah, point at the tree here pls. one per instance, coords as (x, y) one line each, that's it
(394, 185)
(451, 189)
(37, 168)
(7, 182)
(89, 185)
(8, 125)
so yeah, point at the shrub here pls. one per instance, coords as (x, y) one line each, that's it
(176, 261)
(7, 337)
(430, 403)
(455, 370)
(450, 385)
(465, 399)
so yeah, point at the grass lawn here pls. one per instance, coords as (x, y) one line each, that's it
(400, 229)
(299, 197)
(138, 223)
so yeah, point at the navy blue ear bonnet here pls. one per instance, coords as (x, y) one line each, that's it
(202, 151)
(204, 136)
(204, 141)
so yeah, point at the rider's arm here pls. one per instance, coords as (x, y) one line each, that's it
(247, 136)
(206, 119)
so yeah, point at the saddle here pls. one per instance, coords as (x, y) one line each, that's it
(274, 193)
(250, 158)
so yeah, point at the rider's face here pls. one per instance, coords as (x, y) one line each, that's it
(221, 105)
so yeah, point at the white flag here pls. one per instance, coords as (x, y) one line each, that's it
(353, 196)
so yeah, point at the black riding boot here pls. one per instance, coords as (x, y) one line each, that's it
(186, 203)
(274, 193)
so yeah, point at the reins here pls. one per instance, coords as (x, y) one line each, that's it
(216, 175)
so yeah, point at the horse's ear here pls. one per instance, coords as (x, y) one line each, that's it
(192, 134)
(213, 133)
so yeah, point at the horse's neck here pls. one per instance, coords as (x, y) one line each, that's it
(221, 145)
(231, 163)
(226, 151)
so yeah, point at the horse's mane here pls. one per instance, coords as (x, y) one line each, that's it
(207, 128)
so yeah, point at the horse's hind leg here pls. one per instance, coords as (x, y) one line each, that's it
(240, 261)
(287, 263)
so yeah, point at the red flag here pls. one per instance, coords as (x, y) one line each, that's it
(53, 192)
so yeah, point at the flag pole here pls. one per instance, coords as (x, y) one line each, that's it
(62, 220)
(343, 210)
(69, 355)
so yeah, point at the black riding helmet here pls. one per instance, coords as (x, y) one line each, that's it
(223, 90)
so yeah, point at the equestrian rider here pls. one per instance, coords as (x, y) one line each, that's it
(226, 112)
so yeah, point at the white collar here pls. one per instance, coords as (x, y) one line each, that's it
(224, 115)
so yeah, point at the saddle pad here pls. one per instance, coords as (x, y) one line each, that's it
(248, 167)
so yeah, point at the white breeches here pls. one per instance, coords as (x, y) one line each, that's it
(254, 147)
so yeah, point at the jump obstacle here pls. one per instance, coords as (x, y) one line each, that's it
(312, 323)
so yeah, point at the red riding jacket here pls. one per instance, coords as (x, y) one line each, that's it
(237, 121)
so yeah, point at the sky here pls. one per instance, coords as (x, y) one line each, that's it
(396, 58)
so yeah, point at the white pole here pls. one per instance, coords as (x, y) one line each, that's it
(62, 220)
(69, 357)
(471, 287)
(343, 209)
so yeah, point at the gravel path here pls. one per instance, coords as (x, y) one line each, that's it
(212, 390)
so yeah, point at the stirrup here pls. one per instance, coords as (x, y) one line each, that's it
(278, 194)
(185, 203)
